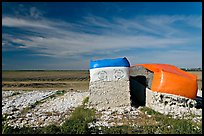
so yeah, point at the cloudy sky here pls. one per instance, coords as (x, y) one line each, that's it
(67, 35)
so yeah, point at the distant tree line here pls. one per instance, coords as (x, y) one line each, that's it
(191, 69)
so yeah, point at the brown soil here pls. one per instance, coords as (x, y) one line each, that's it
(54, 80)
(40, 85)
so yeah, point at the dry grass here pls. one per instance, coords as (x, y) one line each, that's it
(52, 80)
(41, 85)
(71, 80)
(66, 75)
(197, 73)
(199, 77)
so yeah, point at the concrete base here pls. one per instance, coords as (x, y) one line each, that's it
(104, 95)
(170, 104)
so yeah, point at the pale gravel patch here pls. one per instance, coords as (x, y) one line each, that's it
(23, 100)
(9, 93)
(63, 103)
(54, 110)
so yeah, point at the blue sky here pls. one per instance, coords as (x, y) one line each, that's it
(67, 35)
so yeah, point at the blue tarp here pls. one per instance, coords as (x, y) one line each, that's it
(119, 62)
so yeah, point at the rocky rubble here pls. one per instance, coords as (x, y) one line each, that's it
(116, 116)
(9, 93)
(55, 110)
(130, 115)
(169, 104)
(22, 100)
(52, 111)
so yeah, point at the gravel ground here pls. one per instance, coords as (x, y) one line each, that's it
(52, 111)
(22, 100)
(56, 109)
(9, 93)
(116, 116)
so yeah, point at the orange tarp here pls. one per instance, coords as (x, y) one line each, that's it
(172, 80)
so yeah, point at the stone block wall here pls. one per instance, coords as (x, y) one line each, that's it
(109, 94)
(170, 104)
(139, 72)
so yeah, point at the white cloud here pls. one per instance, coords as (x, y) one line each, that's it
(96, 21)
(194, 21)
(85, 43)
(19, 22)
(63, 39)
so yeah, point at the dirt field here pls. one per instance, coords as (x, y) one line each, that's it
(40, 80)
(198, 74)
(64, 75)
(52, 80)
(199, 77)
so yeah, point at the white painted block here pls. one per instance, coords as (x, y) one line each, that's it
(109, 74)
